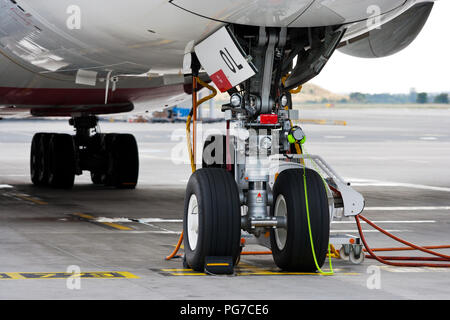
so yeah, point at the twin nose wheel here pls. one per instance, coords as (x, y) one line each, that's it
(212, 219)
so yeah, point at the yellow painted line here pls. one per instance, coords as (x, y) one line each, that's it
(128, 275)
(117, 226)
(176, 270)
(66, 275)
(183, 272)
(217, 264)
(254, 271)
(188, 274)
(270, 273)
(245, 266)
(36, 201)
(84, 216)
(109, 224)
(11, 276)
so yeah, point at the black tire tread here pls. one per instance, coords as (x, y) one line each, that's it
(297, 253)
(219, 216)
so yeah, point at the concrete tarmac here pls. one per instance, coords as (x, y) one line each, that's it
(397, 158)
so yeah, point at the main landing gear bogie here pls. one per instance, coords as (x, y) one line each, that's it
(112, 159)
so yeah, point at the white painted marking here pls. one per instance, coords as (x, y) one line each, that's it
(153, 232)
(145, 221)
(5, 186)
(153, 220)
(156, 227)
(388, 221)
(407, 208)
(139, 220)
(334, 137)
(414, 269)
(112, 220)
(377, 183)
(367, 231)
(428, 138)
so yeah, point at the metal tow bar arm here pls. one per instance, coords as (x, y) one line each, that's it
(353, 201)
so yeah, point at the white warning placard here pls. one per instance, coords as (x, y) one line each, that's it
(223, 60)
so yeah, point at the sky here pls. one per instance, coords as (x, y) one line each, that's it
(424, 65)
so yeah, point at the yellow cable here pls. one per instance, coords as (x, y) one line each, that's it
(212, 95)
(190, 149)
(189, 144)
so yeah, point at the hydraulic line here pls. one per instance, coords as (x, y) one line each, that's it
(384, 260)
(191, 146)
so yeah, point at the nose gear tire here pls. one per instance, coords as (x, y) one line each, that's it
(296, 254)
(218, 217)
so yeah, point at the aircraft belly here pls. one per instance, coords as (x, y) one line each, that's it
(24, 87)
(288, 13)
(128, 38)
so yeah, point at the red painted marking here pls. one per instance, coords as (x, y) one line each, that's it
(57, 101)
(221, 81)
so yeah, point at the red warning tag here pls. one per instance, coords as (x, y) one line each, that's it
(221, 81)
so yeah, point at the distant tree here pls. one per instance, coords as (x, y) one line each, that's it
(441, 98)
(358, 97)
(422, 97)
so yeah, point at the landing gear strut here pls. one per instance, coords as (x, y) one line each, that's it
(112, 159)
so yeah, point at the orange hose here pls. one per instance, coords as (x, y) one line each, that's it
(384, 260)
(195, 104)
(407, 248)
(248, 253)
(194, 118)
(177, 247)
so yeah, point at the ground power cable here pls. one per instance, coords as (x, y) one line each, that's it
(191, 146)
(301, 150)
(385, 259)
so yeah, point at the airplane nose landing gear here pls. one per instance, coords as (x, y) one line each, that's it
(279, 194)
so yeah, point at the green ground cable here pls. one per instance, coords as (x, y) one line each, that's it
(331, 272)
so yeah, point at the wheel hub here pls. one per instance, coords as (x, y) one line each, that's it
(280, 211)
(192, 222)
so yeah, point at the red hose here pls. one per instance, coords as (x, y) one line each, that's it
(408, 248)
(384, 259)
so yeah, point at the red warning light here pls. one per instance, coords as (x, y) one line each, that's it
(268, 119)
